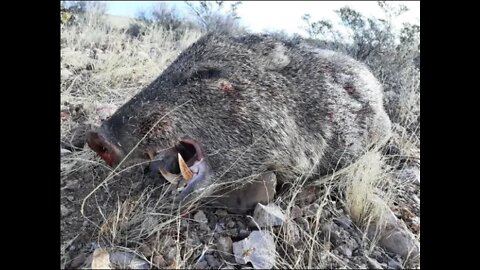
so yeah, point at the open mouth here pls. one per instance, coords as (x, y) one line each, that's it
(182, 165)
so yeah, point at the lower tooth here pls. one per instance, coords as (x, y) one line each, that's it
(182, 186)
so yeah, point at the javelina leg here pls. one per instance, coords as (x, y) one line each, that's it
(244, 198)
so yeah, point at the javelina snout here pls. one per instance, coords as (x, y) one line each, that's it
(108, 151)
(182, 164)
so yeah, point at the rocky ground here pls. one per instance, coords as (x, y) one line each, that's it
(130, 222)
(215, 239)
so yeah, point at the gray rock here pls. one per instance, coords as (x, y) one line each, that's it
(225, 247)
(268, 215)
(125, 260)
(258, 248)
(225, 244)
(401, 243)
(202, 219)
(396, 237)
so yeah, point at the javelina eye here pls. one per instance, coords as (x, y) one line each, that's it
(206, 73)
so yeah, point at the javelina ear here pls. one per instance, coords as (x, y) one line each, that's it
(277, 58)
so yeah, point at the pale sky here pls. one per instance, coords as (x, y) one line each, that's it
(280, 15)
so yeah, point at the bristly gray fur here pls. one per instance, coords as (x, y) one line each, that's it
(258, 103)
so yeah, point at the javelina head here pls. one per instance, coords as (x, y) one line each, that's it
(194, 109)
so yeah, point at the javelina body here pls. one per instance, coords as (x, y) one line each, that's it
(235, 108)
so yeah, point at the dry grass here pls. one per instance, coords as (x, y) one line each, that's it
(122, 64)
(363, 179)
(108, 66)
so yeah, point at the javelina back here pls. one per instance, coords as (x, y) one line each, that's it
(236, 108)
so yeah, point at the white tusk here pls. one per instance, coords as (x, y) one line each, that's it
(172, 178)
(186, 172)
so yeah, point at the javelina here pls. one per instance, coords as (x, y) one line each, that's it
(239, 109)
